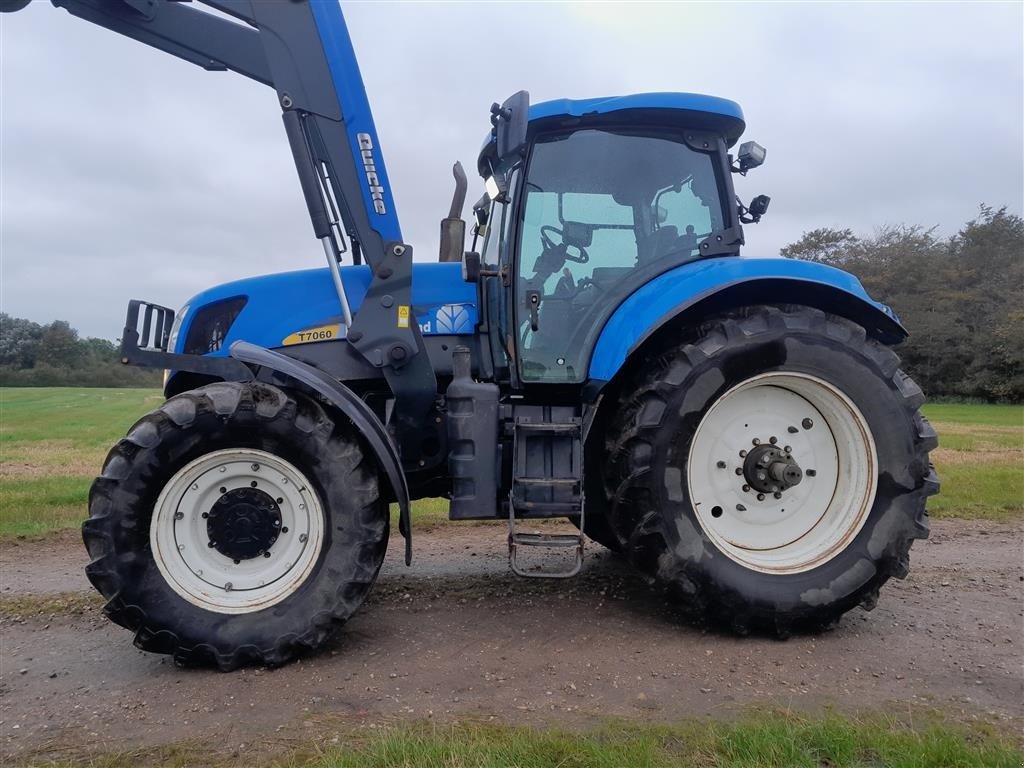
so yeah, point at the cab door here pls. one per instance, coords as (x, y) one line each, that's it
(602, 212)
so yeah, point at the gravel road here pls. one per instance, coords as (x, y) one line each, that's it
(457, 636)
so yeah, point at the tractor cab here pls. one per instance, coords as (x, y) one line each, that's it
(592, 200)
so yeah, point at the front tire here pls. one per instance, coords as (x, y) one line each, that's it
(237, 523)
(773, 470)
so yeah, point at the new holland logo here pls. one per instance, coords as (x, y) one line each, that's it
(370, 169)
(453, 318)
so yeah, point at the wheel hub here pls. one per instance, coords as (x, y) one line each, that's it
(781, 472)
(244, 523)
(770, 469)
(237, 530)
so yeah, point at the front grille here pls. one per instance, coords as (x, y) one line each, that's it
(210, 326)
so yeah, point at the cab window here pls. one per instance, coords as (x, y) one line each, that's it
(600, 206)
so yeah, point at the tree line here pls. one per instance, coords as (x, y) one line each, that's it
(961, 297)
(54, 355)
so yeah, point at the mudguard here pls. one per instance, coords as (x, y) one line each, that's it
(354, 408)
(734, 281)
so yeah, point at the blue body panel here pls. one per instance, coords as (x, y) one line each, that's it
(649, 306)
(355, 108)
(282, 304)
(696, 102)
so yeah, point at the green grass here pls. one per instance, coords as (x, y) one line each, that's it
(759, 740)
(990, 415)
(980, 460)
(53, 440)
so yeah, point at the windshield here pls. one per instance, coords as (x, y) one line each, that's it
(602, 207)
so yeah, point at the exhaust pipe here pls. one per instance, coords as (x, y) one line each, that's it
(453, 228)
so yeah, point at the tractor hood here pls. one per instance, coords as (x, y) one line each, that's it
(301, 307)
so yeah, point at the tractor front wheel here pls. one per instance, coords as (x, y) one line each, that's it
(773, 470)
(237, 523)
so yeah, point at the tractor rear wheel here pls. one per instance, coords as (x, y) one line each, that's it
(237, 523)
(773, 470)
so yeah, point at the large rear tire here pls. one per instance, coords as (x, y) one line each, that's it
(773, 470)
(237, 523)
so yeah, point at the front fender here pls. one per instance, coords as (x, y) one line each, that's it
(731, 281)
(349, 403)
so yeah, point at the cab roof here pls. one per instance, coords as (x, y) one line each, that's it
(651, 108)
(603, 105)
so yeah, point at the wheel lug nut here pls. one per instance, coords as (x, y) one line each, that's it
(179, 515)
(762, 476)
(205, 515)
(253, 483)
(756, 441)
(266, 554)
(255, 467)
(743, 454)
(285, 529)
(806, 423)
(760, 497)
(739, 470)
(746, 488)
(280, 500)
(788, 450)
(303, 538)
(777, 495)
(223, 489)
(720, 465)
(773, 439)
(810, 473)
(237, 562)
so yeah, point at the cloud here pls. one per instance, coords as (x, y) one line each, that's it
(127, 173)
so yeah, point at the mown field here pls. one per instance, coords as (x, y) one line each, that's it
(53, 440)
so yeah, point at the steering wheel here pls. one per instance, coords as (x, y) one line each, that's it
(550, 245)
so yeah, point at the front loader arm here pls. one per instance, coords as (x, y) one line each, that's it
(303, 50)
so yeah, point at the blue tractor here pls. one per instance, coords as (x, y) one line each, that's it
(738, 428)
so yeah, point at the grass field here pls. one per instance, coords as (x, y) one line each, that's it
(52, 443)
(758, 740)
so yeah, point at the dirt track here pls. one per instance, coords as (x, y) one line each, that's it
(457, 636)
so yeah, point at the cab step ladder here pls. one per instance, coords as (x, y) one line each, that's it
(547, 482)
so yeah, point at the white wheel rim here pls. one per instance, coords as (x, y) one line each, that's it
(202, 575)
(814, 520)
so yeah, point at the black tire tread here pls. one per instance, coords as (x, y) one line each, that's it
(630, 436)
(108, 567)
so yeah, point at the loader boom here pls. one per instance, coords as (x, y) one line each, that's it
(303, 50)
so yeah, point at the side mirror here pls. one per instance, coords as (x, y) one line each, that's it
(751, 155)
(509, 121)
(453, 228)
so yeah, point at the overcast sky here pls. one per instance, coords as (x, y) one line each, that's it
(127, 173)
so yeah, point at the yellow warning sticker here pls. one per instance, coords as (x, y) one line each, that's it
(321, 333)
(403, 315)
